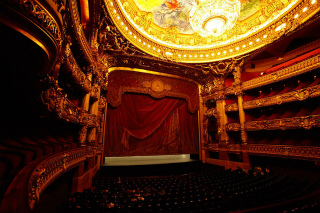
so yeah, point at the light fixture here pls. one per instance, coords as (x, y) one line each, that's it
(214, 17)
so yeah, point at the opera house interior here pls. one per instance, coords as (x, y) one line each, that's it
(233, 85)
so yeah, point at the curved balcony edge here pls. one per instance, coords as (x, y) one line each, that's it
(26, 188)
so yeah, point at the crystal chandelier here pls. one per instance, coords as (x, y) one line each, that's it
(214, 17)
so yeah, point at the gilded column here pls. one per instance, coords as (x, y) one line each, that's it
(82, 136)
(202, 129)
(242, 119)
(223, 135)
(86, 97)
(84, 107)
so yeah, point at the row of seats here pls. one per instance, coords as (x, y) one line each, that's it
(205, 192)
(289, 110)
(283, 87)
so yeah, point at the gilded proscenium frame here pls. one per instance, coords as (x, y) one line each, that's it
(114, 95)
(200, 111)
(192, 54)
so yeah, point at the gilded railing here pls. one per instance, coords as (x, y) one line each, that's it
(296, 69)
(25, 189)
(53, 167)
(233, 126)
(230, 147)
(297, 95)
(232, 107)
(305, 152)
(306, 122)
(301, 152)
(288, 72)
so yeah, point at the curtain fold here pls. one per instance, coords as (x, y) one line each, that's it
(143, 125)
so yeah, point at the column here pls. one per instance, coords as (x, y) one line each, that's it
(82, 136)
(84, 107)
(242, 119)
(202, 129)
(223, 136)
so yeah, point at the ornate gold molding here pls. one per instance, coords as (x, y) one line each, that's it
(232, 107)
(300, 152)
(95, 91)
(273, 20)
(77, 74)
(78, 33)
(305, 122)
(53, 167)
(157, 86)
(305, 152)
(42, 16)
(56, 101)
(151, 72)
(288, 72)
(141, 82)
(234, 148)
(289, 55)
(233, 127)
(298, 95)
(229, 148)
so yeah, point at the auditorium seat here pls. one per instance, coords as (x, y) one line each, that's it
(208, 191)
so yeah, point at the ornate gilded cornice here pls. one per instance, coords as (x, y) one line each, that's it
(305, 122)
(77, 75)
(288, 55)
(301, 152)
(39, 13)
(74, 24)
(288, 72)
(56, 101)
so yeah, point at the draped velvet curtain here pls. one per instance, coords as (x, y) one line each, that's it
(143, 125)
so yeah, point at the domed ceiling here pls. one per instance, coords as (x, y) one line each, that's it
(196, 31)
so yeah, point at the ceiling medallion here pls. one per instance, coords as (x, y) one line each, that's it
(214, 17)
(195, 31)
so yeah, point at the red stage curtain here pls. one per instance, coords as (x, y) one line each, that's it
(143, 125)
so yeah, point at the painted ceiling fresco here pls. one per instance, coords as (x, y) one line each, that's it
(169, 13)
(173, 29)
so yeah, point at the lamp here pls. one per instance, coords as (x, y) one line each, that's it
(214, 17)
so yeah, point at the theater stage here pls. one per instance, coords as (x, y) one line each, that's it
(147, 160)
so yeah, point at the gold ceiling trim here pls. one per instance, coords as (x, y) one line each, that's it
(275, 18)
(112, 69)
